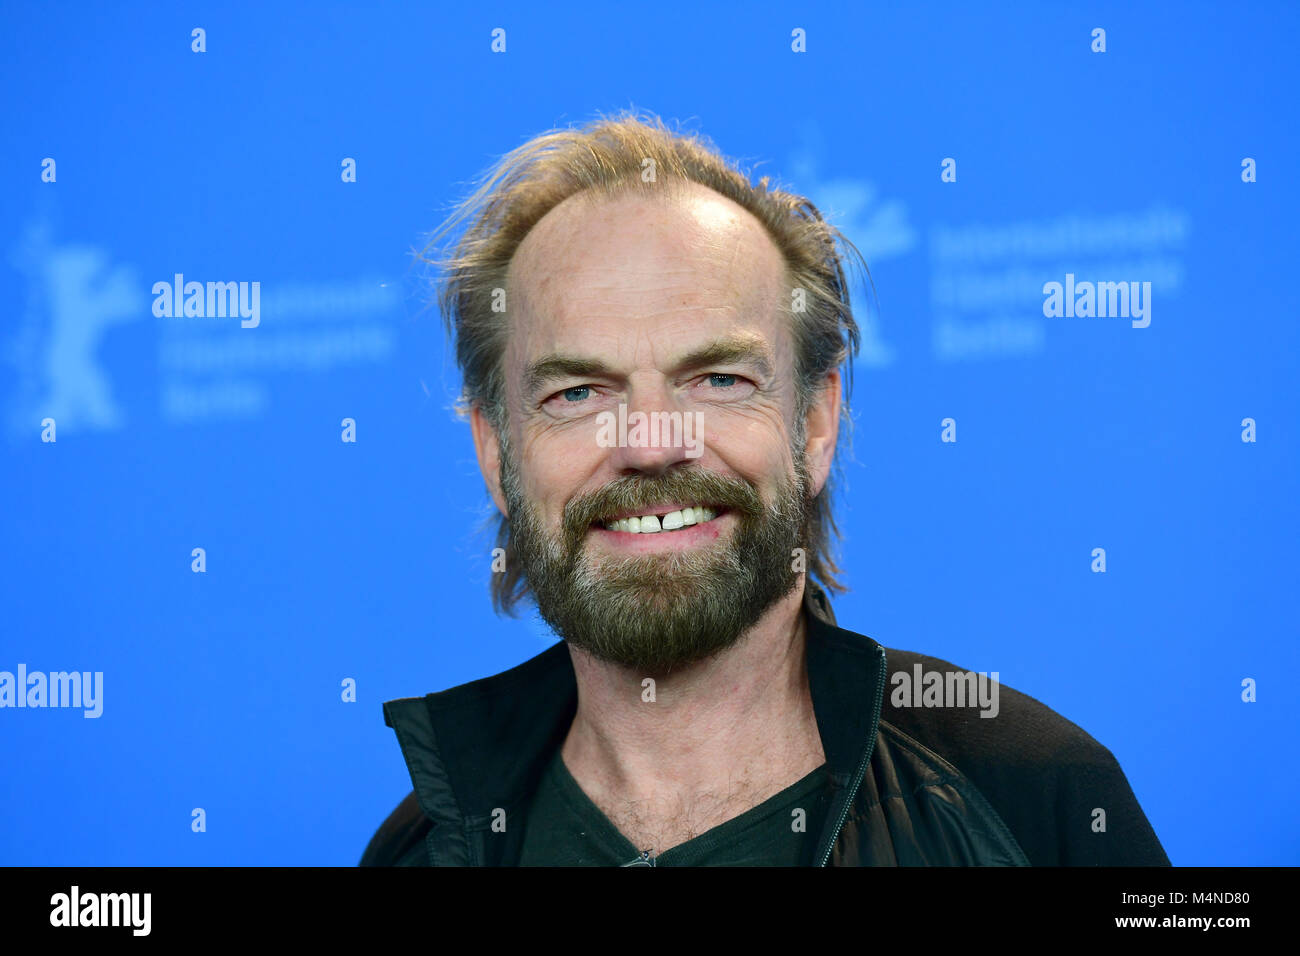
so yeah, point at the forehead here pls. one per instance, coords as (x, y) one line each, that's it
(687, 254)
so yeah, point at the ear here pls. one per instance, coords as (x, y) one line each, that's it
(823, 426)
(488, 448)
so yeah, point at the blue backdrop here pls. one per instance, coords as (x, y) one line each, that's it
(329, 561)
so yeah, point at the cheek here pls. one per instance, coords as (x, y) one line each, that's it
(556, 463)
(755, 450)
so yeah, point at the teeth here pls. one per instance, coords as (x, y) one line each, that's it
(650, 524)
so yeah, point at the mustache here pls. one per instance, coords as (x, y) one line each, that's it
(631, 493)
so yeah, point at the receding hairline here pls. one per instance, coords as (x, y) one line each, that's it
(601, 159)
(674, 191)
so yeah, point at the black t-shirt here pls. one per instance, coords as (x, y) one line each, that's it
(565, 828)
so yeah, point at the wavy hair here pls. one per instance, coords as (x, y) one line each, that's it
(607, 157)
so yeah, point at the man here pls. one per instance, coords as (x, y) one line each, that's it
(703, 707)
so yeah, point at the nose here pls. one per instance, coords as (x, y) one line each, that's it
(653, 434)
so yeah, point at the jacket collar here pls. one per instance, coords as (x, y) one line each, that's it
(482, 747)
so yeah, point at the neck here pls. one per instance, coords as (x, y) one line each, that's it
(725, 733)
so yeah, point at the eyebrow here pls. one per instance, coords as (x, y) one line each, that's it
(745, 350)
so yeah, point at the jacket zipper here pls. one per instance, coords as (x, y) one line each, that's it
(866, 761)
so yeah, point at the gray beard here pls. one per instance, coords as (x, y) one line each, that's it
(653, 613)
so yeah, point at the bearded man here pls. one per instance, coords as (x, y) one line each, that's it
(703, 706)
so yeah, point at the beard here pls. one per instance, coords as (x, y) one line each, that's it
(652, 613)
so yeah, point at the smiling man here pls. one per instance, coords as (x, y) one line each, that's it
(703, 708)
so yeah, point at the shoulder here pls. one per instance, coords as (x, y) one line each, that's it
(1043, 774)
(399, 841)
(1002, 727)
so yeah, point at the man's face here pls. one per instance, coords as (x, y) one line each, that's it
(671, 307)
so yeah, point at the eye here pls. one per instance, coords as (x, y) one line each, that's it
(574, 402)
(723, 387)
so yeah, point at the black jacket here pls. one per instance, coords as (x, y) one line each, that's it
(913, 786)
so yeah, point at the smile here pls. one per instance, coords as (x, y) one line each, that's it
(656, 521)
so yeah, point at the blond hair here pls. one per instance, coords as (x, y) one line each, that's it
(609, 157)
